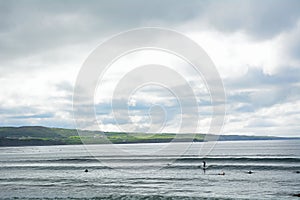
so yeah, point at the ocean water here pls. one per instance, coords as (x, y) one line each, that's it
(57, 172)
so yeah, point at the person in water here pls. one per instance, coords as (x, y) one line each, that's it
(204, 165)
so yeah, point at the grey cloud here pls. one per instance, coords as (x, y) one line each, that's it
(24, 112)
(261, 19)
(256, 77)
(65, 87)
(244, 108)
(256, 89)
(254, 100)
(12, 110)
(292, 43)
(22, 116)
(261, 123)
(34, 116)
(29, 27)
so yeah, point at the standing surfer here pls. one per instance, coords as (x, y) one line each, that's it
(204, 165)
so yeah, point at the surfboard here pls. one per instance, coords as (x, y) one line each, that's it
(204, 168)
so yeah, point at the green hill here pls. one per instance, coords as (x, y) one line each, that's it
(39, 135)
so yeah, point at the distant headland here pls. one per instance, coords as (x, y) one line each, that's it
(39, 135)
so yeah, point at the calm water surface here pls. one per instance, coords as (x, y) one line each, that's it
(57, 172)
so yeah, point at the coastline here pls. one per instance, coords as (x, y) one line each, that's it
(45, 136)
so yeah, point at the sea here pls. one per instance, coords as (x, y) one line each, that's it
(133, 171)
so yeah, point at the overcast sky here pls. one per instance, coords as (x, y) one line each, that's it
(255, 46)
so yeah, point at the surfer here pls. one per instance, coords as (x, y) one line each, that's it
(204, 165)
(86, 170)
(222, 173)
(250, 172)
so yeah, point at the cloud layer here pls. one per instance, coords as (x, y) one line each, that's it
(254, 44)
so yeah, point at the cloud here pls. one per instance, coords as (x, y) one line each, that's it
(254, 44)
(261, 123)
(258, 19)
(31, 27)
(36, 116)
(256, 89)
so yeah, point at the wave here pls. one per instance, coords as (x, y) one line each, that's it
(165, 159)
(243, 159)
(239, 167)
(67, 167)
(245, 167)
(128, 163)
(129, 197)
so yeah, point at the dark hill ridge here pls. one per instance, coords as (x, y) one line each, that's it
(40, 132)
(39, 135)
(28, 131)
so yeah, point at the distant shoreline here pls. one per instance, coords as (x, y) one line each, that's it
(159, 142)
(45, 136)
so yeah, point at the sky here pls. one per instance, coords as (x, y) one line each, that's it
(255, 46)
